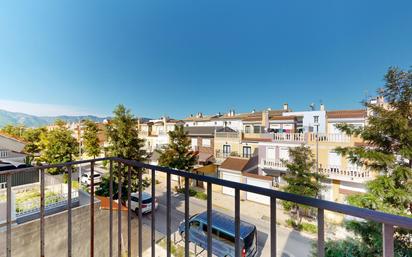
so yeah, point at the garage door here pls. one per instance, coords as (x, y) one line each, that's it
(256, 197)
(230, 177)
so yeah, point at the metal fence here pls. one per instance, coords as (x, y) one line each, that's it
(389, 221)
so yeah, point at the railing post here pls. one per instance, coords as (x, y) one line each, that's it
(321, 232)
(187, 217)
(9, 199)
(209, 219)
(129, 213)
(237, 223)
(111, 209)
(42, 205)
(119, 211)
(140, 230)
(69, 211)
(388, 241)
(168, 215)
(92, 209)
(153, 241)
(273, 247)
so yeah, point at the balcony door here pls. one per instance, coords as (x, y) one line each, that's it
(247, 152)
(334, 160)
(226, 150)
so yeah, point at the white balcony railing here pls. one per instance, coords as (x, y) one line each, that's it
(350, 174)
(33, 206)
(289, 137)
(330, 137)
(273, 164)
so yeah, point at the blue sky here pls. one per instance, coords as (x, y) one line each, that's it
(180, 57)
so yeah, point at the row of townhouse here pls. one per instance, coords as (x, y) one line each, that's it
(250, 147)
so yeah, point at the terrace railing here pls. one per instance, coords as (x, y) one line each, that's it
(389, 221)
(289, 137)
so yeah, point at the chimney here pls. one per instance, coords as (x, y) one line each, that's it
(164, 124)
(322, 107)
(265, 119)
(285, 107)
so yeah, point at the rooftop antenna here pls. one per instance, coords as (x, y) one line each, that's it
(312, 106)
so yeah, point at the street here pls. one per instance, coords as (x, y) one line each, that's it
(290, 243)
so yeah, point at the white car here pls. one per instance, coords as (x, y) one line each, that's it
(146, 202)
(86, 178)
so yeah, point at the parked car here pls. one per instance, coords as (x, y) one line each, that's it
(146, 202)
(223, 234)
(86, 178)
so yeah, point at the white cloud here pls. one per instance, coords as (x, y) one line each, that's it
(41, 109)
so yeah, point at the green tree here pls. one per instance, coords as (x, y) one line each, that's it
(90, 138)
(15, 131)
(32, 138)
(57, 146)
(301, 179)
(124, 142)
(178, 153)
(388, 151)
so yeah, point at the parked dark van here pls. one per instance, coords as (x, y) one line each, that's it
(223, 234)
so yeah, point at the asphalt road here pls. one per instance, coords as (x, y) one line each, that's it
(290, 243)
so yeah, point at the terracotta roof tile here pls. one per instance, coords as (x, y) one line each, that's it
(347, 114)
(282, 117)
(234, 163)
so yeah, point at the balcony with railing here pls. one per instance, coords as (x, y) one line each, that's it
(114, 227)
(358, 175)
(289, 137)
(228, 135)
(330, 137)
(273, 165)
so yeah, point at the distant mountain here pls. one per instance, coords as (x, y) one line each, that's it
(27, 120)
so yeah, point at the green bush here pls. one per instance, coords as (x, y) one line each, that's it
(307, 227)
(192, 193)
(310, 228)
(201, 195)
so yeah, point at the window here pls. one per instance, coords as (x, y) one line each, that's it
(194, 224)
(206, 142)
(226, 238)
(226, 150)
(247, 152)
(194, 143)
(334, 159)
(248, 129)
(256, 129)
(271, 153)
(284, 153)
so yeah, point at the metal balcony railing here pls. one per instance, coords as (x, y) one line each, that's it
(389, 221)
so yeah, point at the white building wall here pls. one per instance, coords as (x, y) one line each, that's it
(308, 120)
